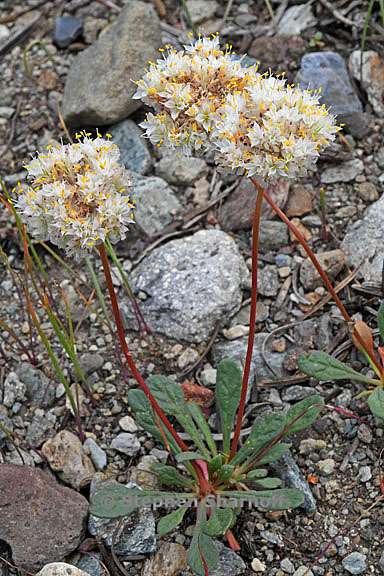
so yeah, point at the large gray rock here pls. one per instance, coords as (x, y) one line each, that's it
(327, 71)
(156, 204)
(41, 520)
(134, 153)
(99, 85)
(191, 284)
(363, 243)
(237, 349)
(137, 532)
(287, 469)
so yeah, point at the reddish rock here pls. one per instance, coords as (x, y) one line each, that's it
(41, 520)
(200, 394)
(300, 201)
(237, 212)
(277, 52)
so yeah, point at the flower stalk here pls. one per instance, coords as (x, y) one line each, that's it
(323, 275)
(204, 485)
(252, 319)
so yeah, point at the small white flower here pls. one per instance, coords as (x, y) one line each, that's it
(78, 196)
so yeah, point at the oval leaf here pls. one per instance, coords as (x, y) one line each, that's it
(187, 456)
(170, 521)
(269, 500)
(304, 413)
(257, 473)
(228, 390)
(220, 521)
(376, 403)
(269, 483)
(114, 501)
(169, 476)
(324, 367)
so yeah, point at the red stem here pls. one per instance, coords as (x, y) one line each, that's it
(136, 374)
(233, 543)
(320, 270)
(252, 321)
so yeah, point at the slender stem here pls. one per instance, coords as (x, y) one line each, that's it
(252, 321)
(320, 270)
(131, 363)
(233, 543)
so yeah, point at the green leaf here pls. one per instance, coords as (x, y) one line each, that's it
(264, 430)
(273, 454)
(202, 424)
(202, 547)
(376, 403)
(380, 321)
(225, 472)
(220, 521)
(114, 501)
(215, 464)
(269, 483)
(304, 413)
(170, 396)
(170, 521)
(142, 409)
(117, 500)
(257, 473)
(187, 456)
(228, 390)
(324, 367)
(269, 500)
(169, 476)
(202, 554)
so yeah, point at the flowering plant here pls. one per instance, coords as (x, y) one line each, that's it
(80, 197)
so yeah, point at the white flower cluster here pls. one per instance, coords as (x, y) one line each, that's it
(78, 195)
(188, 90)
(255, 123)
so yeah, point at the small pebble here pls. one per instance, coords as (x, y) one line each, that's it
(257, 565)
(355, 563)
(128, 424)
(326, 466)
(303, 571)
(287, 566)
(126, 443)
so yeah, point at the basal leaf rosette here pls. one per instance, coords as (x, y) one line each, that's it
(187, 89)
(78, 195)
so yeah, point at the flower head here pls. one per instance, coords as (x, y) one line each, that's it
(257, 124)
(273, 129)
(78, 195)
(187, 89)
